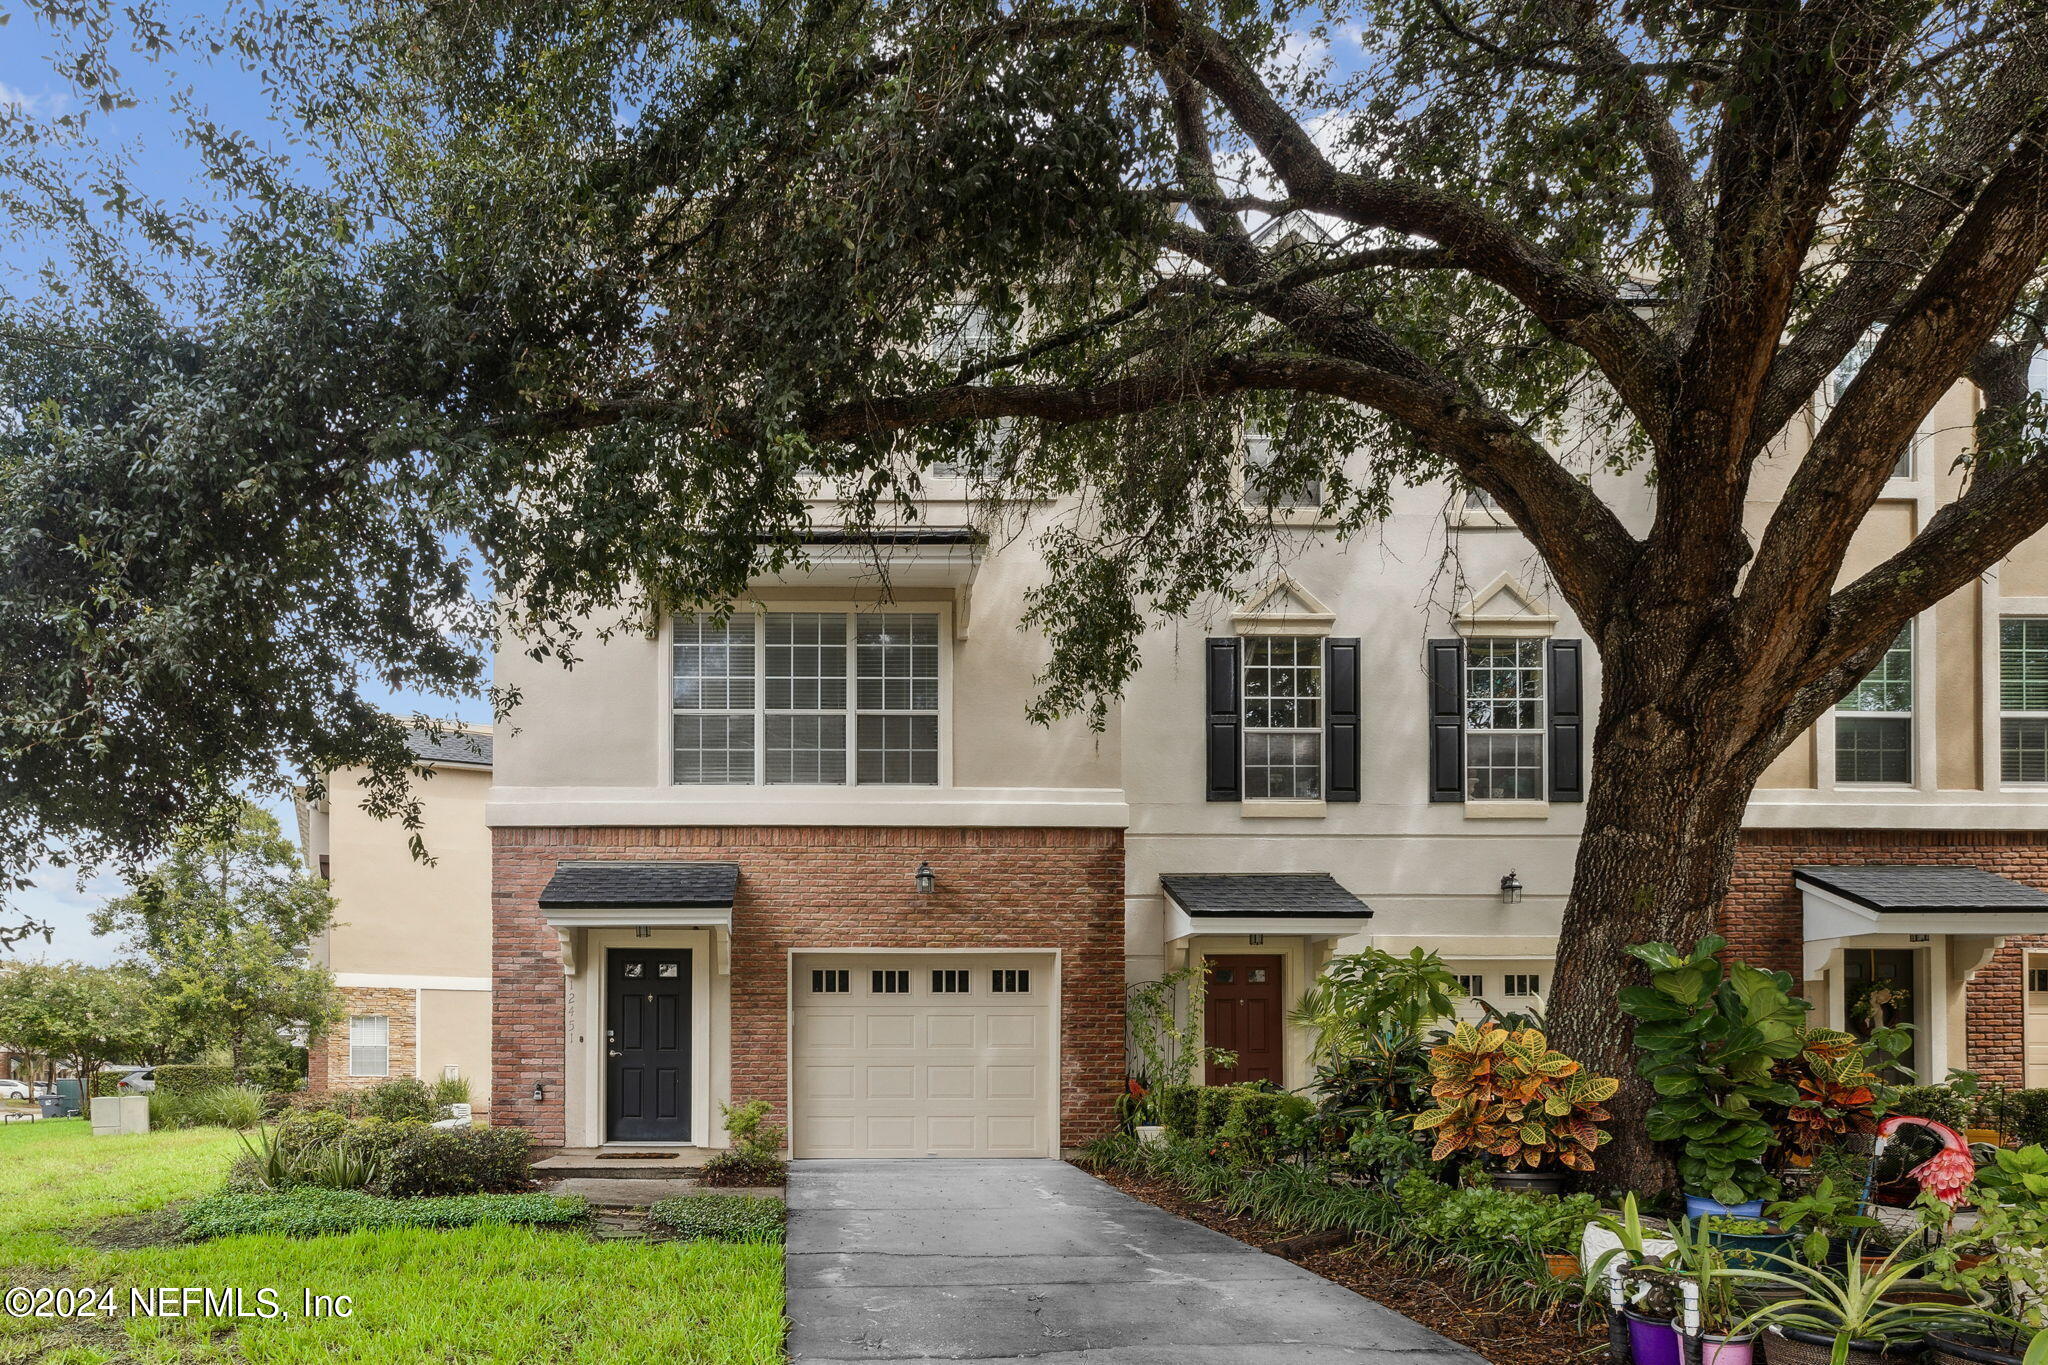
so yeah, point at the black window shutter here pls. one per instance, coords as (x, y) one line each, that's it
(1226, 781)
(1341, 721)
(1447, 720)
(1567, 721)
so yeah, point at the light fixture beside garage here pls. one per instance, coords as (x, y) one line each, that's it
(1511, 889)
(926, 878)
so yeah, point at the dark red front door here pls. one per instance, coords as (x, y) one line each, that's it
(1243, 1016)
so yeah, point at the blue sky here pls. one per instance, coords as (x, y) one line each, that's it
(161, 166)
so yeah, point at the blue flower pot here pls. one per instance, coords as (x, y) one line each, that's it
(1699, 1206)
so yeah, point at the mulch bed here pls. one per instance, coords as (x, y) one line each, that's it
(1437, 1297)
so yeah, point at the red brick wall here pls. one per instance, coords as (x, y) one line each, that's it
(805, 887)
(1761, 918)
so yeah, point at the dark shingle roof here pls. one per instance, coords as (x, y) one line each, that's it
(1890, 887)
(1263, 893)
(582, 885)
(450, 746)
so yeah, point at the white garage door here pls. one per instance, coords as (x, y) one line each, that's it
(896, 1055)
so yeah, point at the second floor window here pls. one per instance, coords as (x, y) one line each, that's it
(1504, 725)
(806, 698)
(1283, 717)
(1264, 488)
(2023, 699)
(1874, 723)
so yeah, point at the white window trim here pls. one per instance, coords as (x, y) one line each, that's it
(665, 709)
(1303, 517)
(1919, 717)
(1467, 515)
(1495, 807)
(1995, 775)
(1281, 806)
(354, 1046)
(1918, 477)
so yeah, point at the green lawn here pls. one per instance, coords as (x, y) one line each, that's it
(507, 1294)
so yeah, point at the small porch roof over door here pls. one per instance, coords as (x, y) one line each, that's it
(1884, 898)
(593, 894)
(1311, 904)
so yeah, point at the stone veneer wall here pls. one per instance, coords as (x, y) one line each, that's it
(1761, 915)
(806, 887)
(327, 1063)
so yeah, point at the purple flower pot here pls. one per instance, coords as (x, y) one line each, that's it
(1652, 1342)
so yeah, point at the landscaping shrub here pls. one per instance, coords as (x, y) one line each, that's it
(168, 1110)
(1258, 1123)
(755, 1156)
(2029, 1117)
(189, 1078)
(402, 1097)
(225, 1106)
(451, 1090)
(438, 1161)
(105, 1086)
(1177, 1105)
(312, 1212)
(720, 1217)
(1943, 1104)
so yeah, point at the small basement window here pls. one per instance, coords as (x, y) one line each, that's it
(1010, 980)
(950, 981)
(1523, 983)
(831, 981)
(889, 982)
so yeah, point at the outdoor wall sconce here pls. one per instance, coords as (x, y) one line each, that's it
(538, 1092)
(1511, 889)
(926, 878)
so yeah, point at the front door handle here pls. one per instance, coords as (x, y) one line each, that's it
(613, 1052)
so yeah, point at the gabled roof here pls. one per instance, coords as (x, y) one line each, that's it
(653, 886)
(1886, 886)
(464, 748)
(1263, 893)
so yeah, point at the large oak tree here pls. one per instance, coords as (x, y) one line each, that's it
(600, 287)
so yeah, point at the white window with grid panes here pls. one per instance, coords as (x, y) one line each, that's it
(1874, 722)
(1832, 392)
(1283, 717)
(369, 1045)
(1504, 721)
(2023, 699)
(806, 698)
(1264, 488)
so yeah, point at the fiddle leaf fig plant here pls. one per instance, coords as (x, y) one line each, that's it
(1710, 1038)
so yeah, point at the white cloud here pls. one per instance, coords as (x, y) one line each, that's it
(42, 105)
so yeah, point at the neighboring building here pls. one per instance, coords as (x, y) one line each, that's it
(814, 853)
(411, 946)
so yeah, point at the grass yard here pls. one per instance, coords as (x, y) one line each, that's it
(74, 1212)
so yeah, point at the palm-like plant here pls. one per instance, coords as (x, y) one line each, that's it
(1374, 995)
(1511, 1095)
(1853, 1305)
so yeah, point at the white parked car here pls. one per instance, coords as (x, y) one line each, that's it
(141, 1082)
(16, 1090)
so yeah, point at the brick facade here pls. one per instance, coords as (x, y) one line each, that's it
(327, 1062)
(1761, 916)
(804, 887)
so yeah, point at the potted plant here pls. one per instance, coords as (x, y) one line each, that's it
(1724, 1338)
(1827, 1214)
(1168, 1050)
(2001, 1261)
(1744, 1241)
(1711, 1038)
(1847, 1316)
(1511, 1096)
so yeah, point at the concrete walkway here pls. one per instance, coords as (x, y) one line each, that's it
(1012, 1261)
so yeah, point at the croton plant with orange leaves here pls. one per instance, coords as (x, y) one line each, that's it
(1508, 1093)
(1839, 1092)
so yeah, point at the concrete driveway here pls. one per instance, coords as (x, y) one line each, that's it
(1038, 1261)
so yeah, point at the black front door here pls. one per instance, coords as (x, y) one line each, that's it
(647, 1045)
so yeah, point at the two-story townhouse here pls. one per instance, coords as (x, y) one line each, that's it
(1387, 745)
(410, 948)
(805, 847)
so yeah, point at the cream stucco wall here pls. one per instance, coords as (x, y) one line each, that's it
(395, 915)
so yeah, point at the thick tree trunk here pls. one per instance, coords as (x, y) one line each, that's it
(1663, 813)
